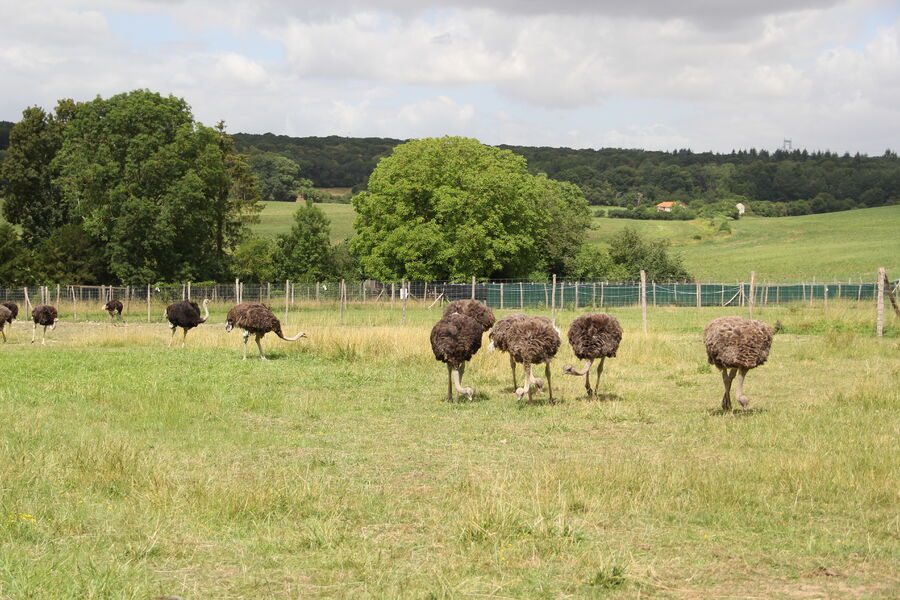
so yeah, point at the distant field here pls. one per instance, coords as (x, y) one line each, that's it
(830, 246)
(277, 218)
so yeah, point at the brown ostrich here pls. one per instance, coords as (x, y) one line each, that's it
(6, 318)
(45, 315)
(532, 341)
(13, 308)
(454, 340)
(474, 309)
(259, 320)
(498, 337)
(737, 344)
(185, 314)
(593, 336)
(114, 308)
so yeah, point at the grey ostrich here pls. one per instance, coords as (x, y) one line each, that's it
(593, 336)
(474, 309)
(259, 320)
(532, 341)
(46, 315)
(114, 308)
(454, 340)
(498, 337)
(737, 344)
(5, 319)
(185, 314)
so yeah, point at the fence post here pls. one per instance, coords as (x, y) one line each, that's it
(188, 290)
(318, 287)
(654, 292)
(74, 309)
(27, 300)
(287, 286)
(879, 303)
(501, 295)
(699, 301)
(825, 290)
(392, 295)
(602, 284)
(473, 287)
(269, 293)
(553, 300)
(148, 301)
(57, 294)
(576, 295)
(406, 297)
(341, 300)
(236, 290)
(594, 296)
(752, 285)
(644, 299)
(521, 295)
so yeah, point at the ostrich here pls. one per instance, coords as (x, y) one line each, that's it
(593, 336)
(45, 315)
(257, 319)
(454, 340)
(185, 314)
(498, 337)
(13, 308)
(738, 344)
(474, 309)
(5, 317)
(114, 308)
(531, 341)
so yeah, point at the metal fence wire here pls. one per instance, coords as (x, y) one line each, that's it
(497, 294)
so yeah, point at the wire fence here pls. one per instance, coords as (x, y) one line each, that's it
(497, 294)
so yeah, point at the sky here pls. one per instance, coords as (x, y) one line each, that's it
(659, 75)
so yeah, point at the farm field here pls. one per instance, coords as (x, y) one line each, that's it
(278, 218)
(337, 469)
(787, 249)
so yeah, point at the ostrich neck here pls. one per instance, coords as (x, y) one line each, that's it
(206, 310)
(292, 339)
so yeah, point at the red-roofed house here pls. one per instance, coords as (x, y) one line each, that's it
(667, 206)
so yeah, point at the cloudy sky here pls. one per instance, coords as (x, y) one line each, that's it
(656, 74)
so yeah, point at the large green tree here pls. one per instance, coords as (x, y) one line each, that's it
(450, 208)
(168, 196)
(30, 197)
(304, 254)
(279, 176)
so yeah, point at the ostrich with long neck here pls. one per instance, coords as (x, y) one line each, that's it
(530, 341)
(499, 339)
(593, 336)
(735, 345)
(259, 320)
(454, 340)
(185, 314)
(44, 315)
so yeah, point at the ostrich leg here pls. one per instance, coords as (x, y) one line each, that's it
(172, 339)
(4, 334)
(599, 373)
(727, 378)
(547, 374)
(44, 336)
(449, 382)
(262, 355)
(512, 364)
(526, 384)
(457, 380)
(33, 331)
(184, 339)
(744, 400)
(246, 336)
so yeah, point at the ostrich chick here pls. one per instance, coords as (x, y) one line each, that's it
(185, 314)
(738, 345)
(45, 315)
(454, 340)
(5, 319)
(532, 341)
(499, 339)
(258, 320)
(114, 308)
(593, 336)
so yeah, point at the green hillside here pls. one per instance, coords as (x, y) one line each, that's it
(829, 246)
(277, 218)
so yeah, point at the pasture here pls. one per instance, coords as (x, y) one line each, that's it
(785, 249)
(338, 470)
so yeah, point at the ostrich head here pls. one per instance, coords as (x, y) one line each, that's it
(206, 309)
(744, 401)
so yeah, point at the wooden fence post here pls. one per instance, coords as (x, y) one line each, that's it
(644, 299)
(521, 295)
(576, 295)
(654, 291)
(473, 287)
(287, 287)
(148, 301)
(752, 290)
(879, 303)
(392, 294)
(553, 300)
(406, 297)
(341, 300)
(699, 300)
(501, 295)
(602, 283)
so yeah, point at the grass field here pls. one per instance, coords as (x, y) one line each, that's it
(278, 217)
(338, 470)
(830, 246)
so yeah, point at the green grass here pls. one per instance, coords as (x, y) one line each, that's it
(337, 469)
(278, 217)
